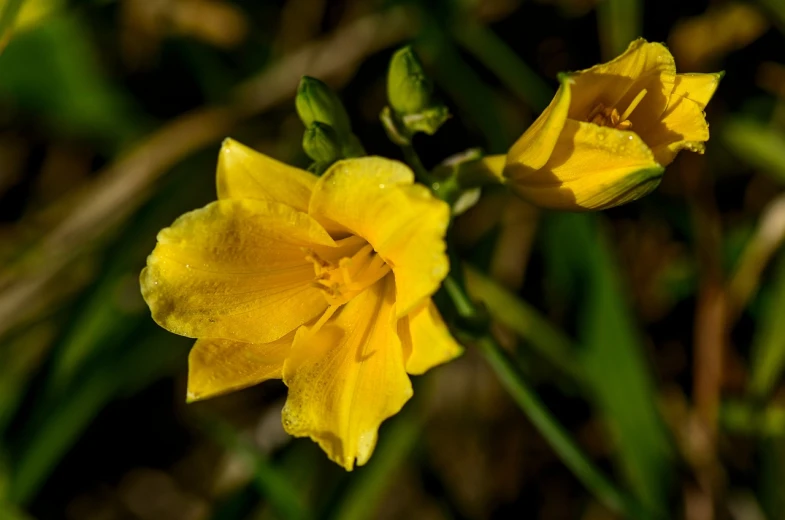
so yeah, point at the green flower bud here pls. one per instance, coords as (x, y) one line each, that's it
(316, 102)
(408, 89)
(321, 144)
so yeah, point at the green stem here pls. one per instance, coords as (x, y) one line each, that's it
(525, 321)
(561, 442)
(413, 160)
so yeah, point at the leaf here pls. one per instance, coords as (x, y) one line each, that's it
(757, 144)
(768, 349)
(612, 356)
(66, 86)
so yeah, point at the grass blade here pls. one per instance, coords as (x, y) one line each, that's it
(768, 352)
(620, 22)
(526, 321)
(612, 357)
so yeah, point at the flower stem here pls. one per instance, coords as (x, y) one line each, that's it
(561, 442)
(413, 160)
(526, 398)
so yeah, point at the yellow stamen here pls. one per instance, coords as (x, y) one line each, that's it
(351, 276)
(635, 102)
(313, 329)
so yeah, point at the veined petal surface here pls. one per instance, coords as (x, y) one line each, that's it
(347, 377)
(377, 199)
(235, 269)
(220, 366)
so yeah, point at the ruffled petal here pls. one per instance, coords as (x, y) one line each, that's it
(426, 340)
(533, 149)
(683, 126)
(593, 167)
(376, 199)
(244, 173)
(236, 269)
(347, 377)
(643, 65)
(220, 366)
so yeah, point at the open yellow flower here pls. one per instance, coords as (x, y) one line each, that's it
(609, 132)
(324, 282)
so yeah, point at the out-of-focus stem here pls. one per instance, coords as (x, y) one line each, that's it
(8, 15)
(767, 239)
(527, 399)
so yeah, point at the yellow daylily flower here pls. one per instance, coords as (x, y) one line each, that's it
(609, 132)
(325, 282)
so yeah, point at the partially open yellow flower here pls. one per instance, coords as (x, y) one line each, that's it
(610, 130)
(324, 282)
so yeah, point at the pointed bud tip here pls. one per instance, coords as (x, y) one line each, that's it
(316, 102)
(408, 88)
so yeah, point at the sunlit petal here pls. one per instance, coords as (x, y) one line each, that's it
(697, 87)
(235, 269)
(347, 377)
(533, 149)
(593, 167)
(244, 173)
(376, 199)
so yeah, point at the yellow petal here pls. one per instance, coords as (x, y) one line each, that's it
(533, 149)
(220, 366)
(244, 173)
(347, 377)
(235, 269)
(683, 125)
(376, 199)
(697, 87)
(643, 65)
(592, 167)
(427, 341)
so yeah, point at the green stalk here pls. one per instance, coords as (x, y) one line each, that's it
(561, 442)
(527, 399)
(620, 23)
(525, 321)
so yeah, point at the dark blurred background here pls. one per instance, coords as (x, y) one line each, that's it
(655, 332)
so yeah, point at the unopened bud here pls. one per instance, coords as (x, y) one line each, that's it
(408, 88)
(320, 142)
(316, 102)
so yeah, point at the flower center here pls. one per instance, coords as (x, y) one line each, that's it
(609, 116)
(350, 276)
